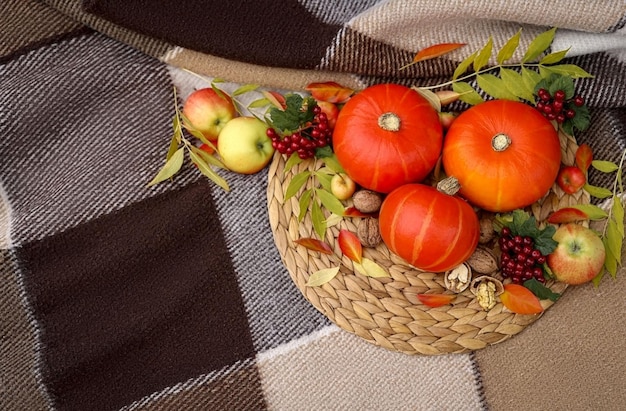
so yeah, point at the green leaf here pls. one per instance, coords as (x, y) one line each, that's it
(495, 87)
(298, 111)
(210, 159)
(370, 268)
(538, 45)
(483, 56)
(614, 239)
(507, 51)
(304, 202)
(296, 183)
(294, 159)
(531, 79)
(557, 82)
(593, 211)
(173, 145)
(604, 166)
(618, 214)
(571, 70)
(324, 179)
(207, 171)
(323, 152)
(468, 94)
(318, 220)
(245, 89)
(582, 119)
(514, 83)
(611, 263)
(333, 163)
(171, 167)
(464, 65)
(597, 192)
(554, 57)
(541, 291)
(261, 102)
(322, 276)
(330, 202)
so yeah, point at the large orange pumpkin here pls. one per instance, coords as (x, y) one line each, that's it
(505, 154)
(431, 230)
(387, 135)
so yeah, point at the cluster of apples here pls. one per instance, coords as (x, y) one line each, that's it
(241, 141)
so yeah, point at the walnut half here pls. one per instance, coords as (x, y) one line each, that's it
(486, 289)
(458, 279)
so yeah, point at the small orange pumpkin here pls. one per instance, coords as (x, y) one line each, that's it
(505, 155)
(387, 135)
(431, 230)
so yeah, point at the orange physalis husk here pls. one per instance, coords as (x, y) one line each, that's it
(436, 300)
(520, 299)
(314, 244)
(584, 157)
(329, 91)
(350, 245)
(567, 215)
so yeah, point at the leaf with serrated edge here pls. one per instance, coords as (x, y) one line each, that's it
(322, 276)
(483, 56)
(464, 65)
(303, 202)
(373, 269)
(554, 58)
(538, 45)
(468, 94)
(207, 171)
(520, 299)
(350, 245)
(318, 220)
(171, 167)
(597, 192)
(296, 183)
(330, 201)
(314, 244)
(506, 52)
(495, 87)
(604, 166)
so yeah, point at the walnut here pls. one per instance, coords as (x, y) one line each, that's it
(483, 261)
(486, 289)
(487, 233)
(458, 278)
(368, 232)
(367, 201)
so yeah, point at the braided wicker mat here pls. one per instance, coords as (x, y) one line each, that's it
(386, 311)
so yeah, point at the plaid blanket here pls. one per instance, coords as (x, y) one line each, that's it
(116, 296)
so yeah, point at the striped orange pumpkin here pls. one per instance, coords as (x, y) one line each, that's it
(431, 230)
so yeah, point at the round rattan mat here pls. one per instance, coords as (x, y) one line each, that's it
(386, 311)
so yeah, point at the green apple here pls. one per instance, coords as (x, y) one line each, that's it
(579, 255)
(244, 146)
(208, 111)
(342, 186)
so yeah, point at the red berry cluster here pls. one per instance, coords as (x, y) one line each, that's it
(304, 141)
(557, 107)
(520, 260)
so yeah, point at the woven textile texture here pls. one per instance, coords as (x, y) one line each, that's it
(119, 296)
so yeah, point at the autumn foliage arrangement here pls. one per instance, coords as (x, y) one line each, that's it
(449, 185)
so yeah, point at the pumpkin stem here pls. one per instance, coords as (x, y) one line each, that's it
(449, 185)
(389, 121)
(500, 142)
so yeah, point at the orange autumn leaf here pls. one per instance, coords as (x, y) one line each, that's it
(329, 91)
(584, 157)
(353, 212)
(314, 244)
(350, 245)
(436, 300)
(567, 215)
(520, 299)
(276, 99)
(435, 51)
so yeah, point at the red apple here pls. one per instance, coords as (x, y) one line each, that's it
(331, 110)
(342, 186)
(579, 255)
(244, 146)
(208, 111)
(571, 179)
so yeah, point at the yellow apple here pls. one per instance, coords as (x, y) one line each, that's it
(579, 255)
(208, 111)
(244, 146)
(342, 186)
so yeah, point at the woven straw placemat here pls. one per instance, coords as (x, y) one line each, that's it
(386, 311)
